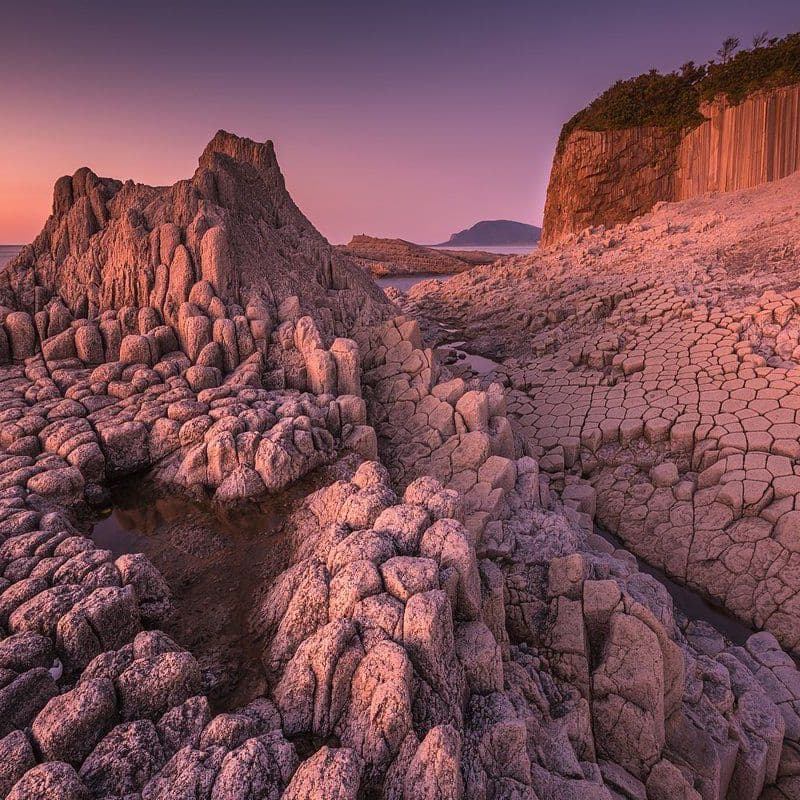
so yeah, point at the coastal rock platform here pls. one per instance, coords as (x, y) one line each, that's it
(448, 623)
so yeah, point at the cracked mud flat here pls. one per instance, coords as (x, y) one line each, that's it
(424, 610)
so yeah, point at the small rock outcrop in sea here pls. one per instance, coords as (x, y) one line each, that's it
(446, 627)
(399, 257)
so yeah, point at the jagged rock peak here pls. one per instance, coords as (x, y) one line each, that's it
(232, 225)
(259, 155)
(84, 183)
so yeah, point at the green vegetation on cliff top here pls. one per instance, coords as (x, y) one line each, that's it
(672, 101)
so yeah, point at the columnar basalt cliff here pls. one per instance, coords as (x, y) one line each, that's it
(610, 177)
(741, 145)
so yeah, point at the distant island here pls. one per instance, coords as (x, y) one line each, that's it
(493, 233)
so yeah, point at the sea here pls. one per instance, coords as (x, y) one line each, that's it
(7, 252)
(502, 250)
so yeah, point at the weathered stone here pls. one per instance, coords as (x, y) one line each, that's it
(54, 780)
(152, 685)
(72, 723)
(124, 760)
(333, 773)
(105, 620)
(16, 758)
(21, 335)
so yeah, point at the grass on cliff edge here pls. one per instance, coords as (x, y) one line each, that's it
(672, 101)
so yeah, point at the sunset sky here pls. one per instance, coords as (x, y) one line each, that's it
(411, 119)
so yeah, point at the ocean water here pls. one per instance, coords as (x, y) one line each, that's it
(502, 250)
(405, 282)
(7, 252)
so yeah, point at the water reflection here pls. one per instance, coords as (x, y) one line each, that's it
(405, 282)
(693, 605)
(219, 564)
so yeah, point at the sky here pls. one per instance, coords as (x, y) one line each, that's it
(406, 118)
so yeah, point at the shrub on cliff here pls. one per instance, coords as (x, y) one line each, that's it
(777, 64)
(673, 100)
(668, 101)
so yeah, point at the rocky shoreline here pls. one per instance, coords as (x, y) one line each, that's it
(382, 257)
(447, 625)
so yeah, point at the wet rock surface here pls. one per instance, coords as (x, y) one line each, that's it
(213, 568)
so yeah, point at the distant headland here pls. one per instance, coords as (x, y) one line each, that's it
(493, 233)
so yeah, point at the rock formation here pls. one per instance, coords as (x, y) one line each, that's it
(610, 177)
(399, 257)
(658, 362)
(232, 228)
(741, 145)
(448, 626)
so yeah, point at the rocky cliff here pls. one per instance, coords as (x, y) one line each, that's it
(610, 177)
(741, 146)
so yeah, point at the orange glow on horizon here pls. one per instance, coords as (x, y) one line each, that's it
(410, 119)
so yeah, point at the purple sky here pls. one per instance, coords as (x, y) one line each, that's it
(411, 119)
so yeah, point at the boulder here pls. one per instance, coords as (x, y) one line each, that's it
(21, 335)
(183, 725)
(259, 769)
(153, 595)
(23, 651)
(435, 770)
(23, 697)
(52, 780)
(628, 696)
(16, 758)
(71, 724)
(105, 620)
(321, 372)
(332, 773)
(124, 760)
(125, 447)
(135, 349)
(150, 686)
